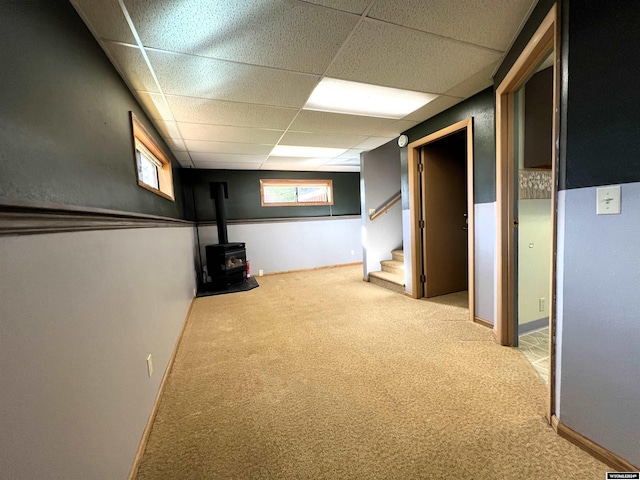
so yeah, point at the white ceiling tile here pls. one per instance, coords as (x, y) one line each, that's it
(167, 129)
(227, 166)
(106, 19)
(235, 98)
(183, 158)
(192, 76)
(221, 133)
(226, 158)
(224, 147)
(354, 6)
(289, 168)
(295, 162)
(353, 153)
(374, 142)
(345, 161)
(474, 84)
(401, 126)
(393, 56)
(305, 139)
(465, 20)
(339, 168)
(395, 129)
(154, 105)
(200, 110)
(130, 62)
(175, 144)
(432, 108)
(290, 35)
(324, 122)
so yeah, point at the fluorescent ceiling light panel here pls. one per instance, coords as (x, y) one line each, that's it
(303, 162)
(341, 96)
(306, 152)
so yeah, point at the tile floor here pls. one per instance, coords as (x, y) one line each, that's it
(535, 347)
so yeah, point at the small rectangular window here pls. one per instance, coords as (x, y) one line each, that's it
(153, 168)
(278, 193)
(148, 166)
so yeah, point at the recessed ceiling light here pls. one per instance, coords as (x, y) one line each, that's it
(341, 96)
(306, 152)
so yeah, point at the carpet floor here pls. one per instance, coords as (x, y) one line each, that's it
(319, 375)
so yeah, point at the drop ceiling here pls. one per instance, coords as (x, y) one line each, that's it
(226, 81)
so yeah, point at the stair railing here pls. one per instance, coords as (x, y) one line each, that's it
(385, 207)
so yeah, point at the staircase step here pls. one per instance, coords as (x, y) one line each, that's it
(398, 255)
(393, 266)
(387, 280)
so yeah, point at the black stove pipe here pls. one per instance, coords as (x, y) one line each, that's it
(219, 192)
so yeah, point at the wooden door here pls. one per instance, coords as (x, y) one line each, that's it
(444, 180)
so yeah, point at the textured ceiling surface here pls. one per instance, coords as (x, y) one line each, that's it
(225, 81)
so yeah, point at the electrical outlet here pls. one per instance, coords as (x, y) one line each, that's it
(260, 272)
(542, 304)
(372, 211)
(149, 365)
(195, 292)
(353, 252)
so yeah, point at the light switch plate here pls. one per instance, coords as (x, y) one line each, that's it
(608, 199)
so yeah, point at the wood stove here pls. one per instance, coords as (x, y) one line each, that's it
(226, 262)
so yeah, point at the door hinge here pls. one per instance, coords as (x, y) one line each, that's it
(422, 278)
(421, 224)
(421, 167)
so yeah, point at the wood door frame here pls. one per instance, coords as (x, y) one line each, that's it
(546, 38)
(414, 207)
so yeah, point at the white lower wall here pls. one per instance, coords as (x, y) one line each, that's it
(293, 245)
(598, 327)
(79, 314)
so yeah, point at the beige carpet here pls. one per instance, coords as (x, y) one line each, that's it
(319, 375)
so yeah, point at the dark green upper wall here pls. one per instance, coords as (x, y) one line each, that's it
(244, 194)
(480, 107)
(65, 132)
(600, 125)
(603, 120)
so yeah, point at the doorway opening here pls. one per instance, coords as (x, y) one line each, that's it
(441, 212)
(526, 251)
(533, 162)
(444, 212)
